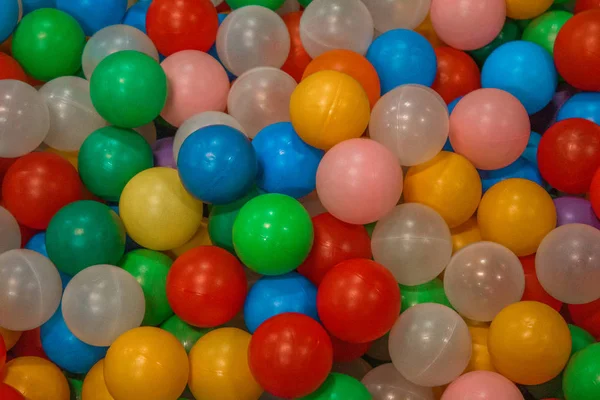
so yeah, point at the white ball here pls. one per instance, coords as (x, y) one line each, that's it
(10, 233)
(386, 383)
(289, 6)
(397, 14)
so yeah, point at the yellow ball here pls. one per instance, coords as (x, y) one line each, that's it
(465, 234)
(426, 30)
(480, 357)
(518, 214)
(329, 107)
(157, 211)
(94, 387)
(146, 363)
(10, 337)
(448, 183)
(526, 9)
(200, 238)
(529, 343)
(36, 379)
(219, 367)
(70, 156)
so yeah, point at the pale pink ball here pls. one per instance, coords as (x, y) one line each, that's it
(482, 385)
(359, 181)
(490, 127)
(468, 24)
(196, 83)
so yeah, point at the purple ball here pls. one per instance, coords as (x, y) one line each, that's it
(163, 153)
(575, 210)
(544, 119)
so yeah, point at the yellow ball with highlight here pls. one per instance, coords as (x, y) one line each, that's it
(36, 379)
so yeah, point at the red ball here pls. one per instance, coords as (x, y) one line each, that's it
(37, 185)
(206, 286)
(584, 5)
(335, 241)
(5, 164)
(29, 345)
(569, 154)
(595, 192)
(457, 74)
(298, 59)
(358, 301)
(587, 316)
(2, 353)
(346, 352)
(577, 51)
(11, 69)
(290, 355)
(9, 393)
(176, 25)
(533, 288)
(26, 234)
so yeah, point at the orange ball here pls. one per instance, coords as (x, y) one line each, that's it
(465, 234)
(11, 69)
(94, 387)
(480, 358)
(10, 337)
(298, 59)
(426, 30)
(36, 379)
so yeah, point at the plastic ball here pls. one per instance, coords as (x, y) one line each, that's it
(534, 291)
(94, 387)
(272, 234)
(10, 233)
(484, 385)
(358, 301)
(336, 24)
(521, 168)
(490, 127)
(385, 382)
(457, 74)
(587, 316)
(575, 210)
(544, 29)
(334, 241)
(24, 118)
(11, 69)
(430, 345)
(595, 193)
(448, 183)
(36, 379)
(412, 122)
(162, 150)
(429, 292)
(252, 37)
(206, 286)
(474, 26)
(359, 181)
(7, 392)
(329, 107)
(31, 289)
(529, 343)
(290, 355)
(480, 357)
(9, 337)
(176, 25)
(298, 59)
(136, 15)
(465, 234)
(157, 211)
(271, 4)
(580, 374)
(94, 16)
(581, 105)
(219, 367)
(260, 97)
(187, 334)
(395, 14)
(11, 15)
(340, 386)
(577, 51)
(580, 339)
(401, 57)
(517, 9)
(584, 5)
(125, 78)
(65, 350)
(510, 31)
(347, 353)
(29, 345)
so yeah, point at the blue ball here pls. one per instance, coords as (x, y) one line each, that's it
(65, 350)
(94, 15)
(451, 106)
(32, 5)
(519, 169)
(581, 105)
(38, 244)
(530, 153)
(136, 15)
(213, 50)
(402, 56)
(274, 295)
(217, 164)
(9, 18)
(286, 164)
(524, 69)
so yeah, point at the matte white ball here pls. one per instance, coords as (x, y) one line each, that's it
(397, 14)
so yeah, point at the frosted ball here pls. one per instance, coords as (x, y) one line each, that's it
(386, 383)
(10, 233)
(397, 14)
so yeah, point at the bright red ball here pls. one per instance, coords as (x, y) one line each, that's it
(584, 5)
(9, 393)
(533, 288)
(5, 164)
(587, 316)
(176, 25)
(569, 154)
(29, 345)
(11, 69)
(290, 355)
(577, 51)
(335, 241)
(358, 301)
(2, 353)
(37, 185)
(298, 59)
(206, 286)
(26, 234)
(457, 74)
(595, 192)
(346, 352)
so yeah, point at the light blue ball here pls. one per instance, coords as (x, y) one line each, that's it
(519, 169)
(213, 50)
(94, 15)
(38, 244)
(9, 18)
(581, 105)
(530, 153)
(136, 15)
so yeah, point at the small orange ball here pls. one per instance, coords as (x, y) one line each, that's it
(94, 387)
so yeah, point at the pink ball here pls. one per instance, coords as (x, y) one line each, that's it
(359, 181)
(482, 385)
(490, 127)
(468, 24)
(197, 83)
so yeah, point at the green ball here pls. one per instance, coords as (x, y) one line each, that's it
(272, 234)
(340, 387)
(271, 4)
(510, 32)
(110, 157)
(580, 339)
(429, 292)
(581, 377)
(150, 268)
(544, 29)
(48, 43)
(370, 228)
(82, 234)
(186, 334)
(128, 89)
(304, 3)
(76, 386)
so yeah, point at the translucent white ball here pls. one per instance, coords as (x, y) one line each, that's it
(380, 349)
(72, 116)
(411, 121)
(356, 368)
(10, 233)
(397, 14)
(386, 383)
(30, 289)
(24, 118)
(414, 242)
(567, 263)
(261, 97)
(112, 39)
(336, 24)
(251, 37)
(102, 302)
(483, 278)
(430, 344)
